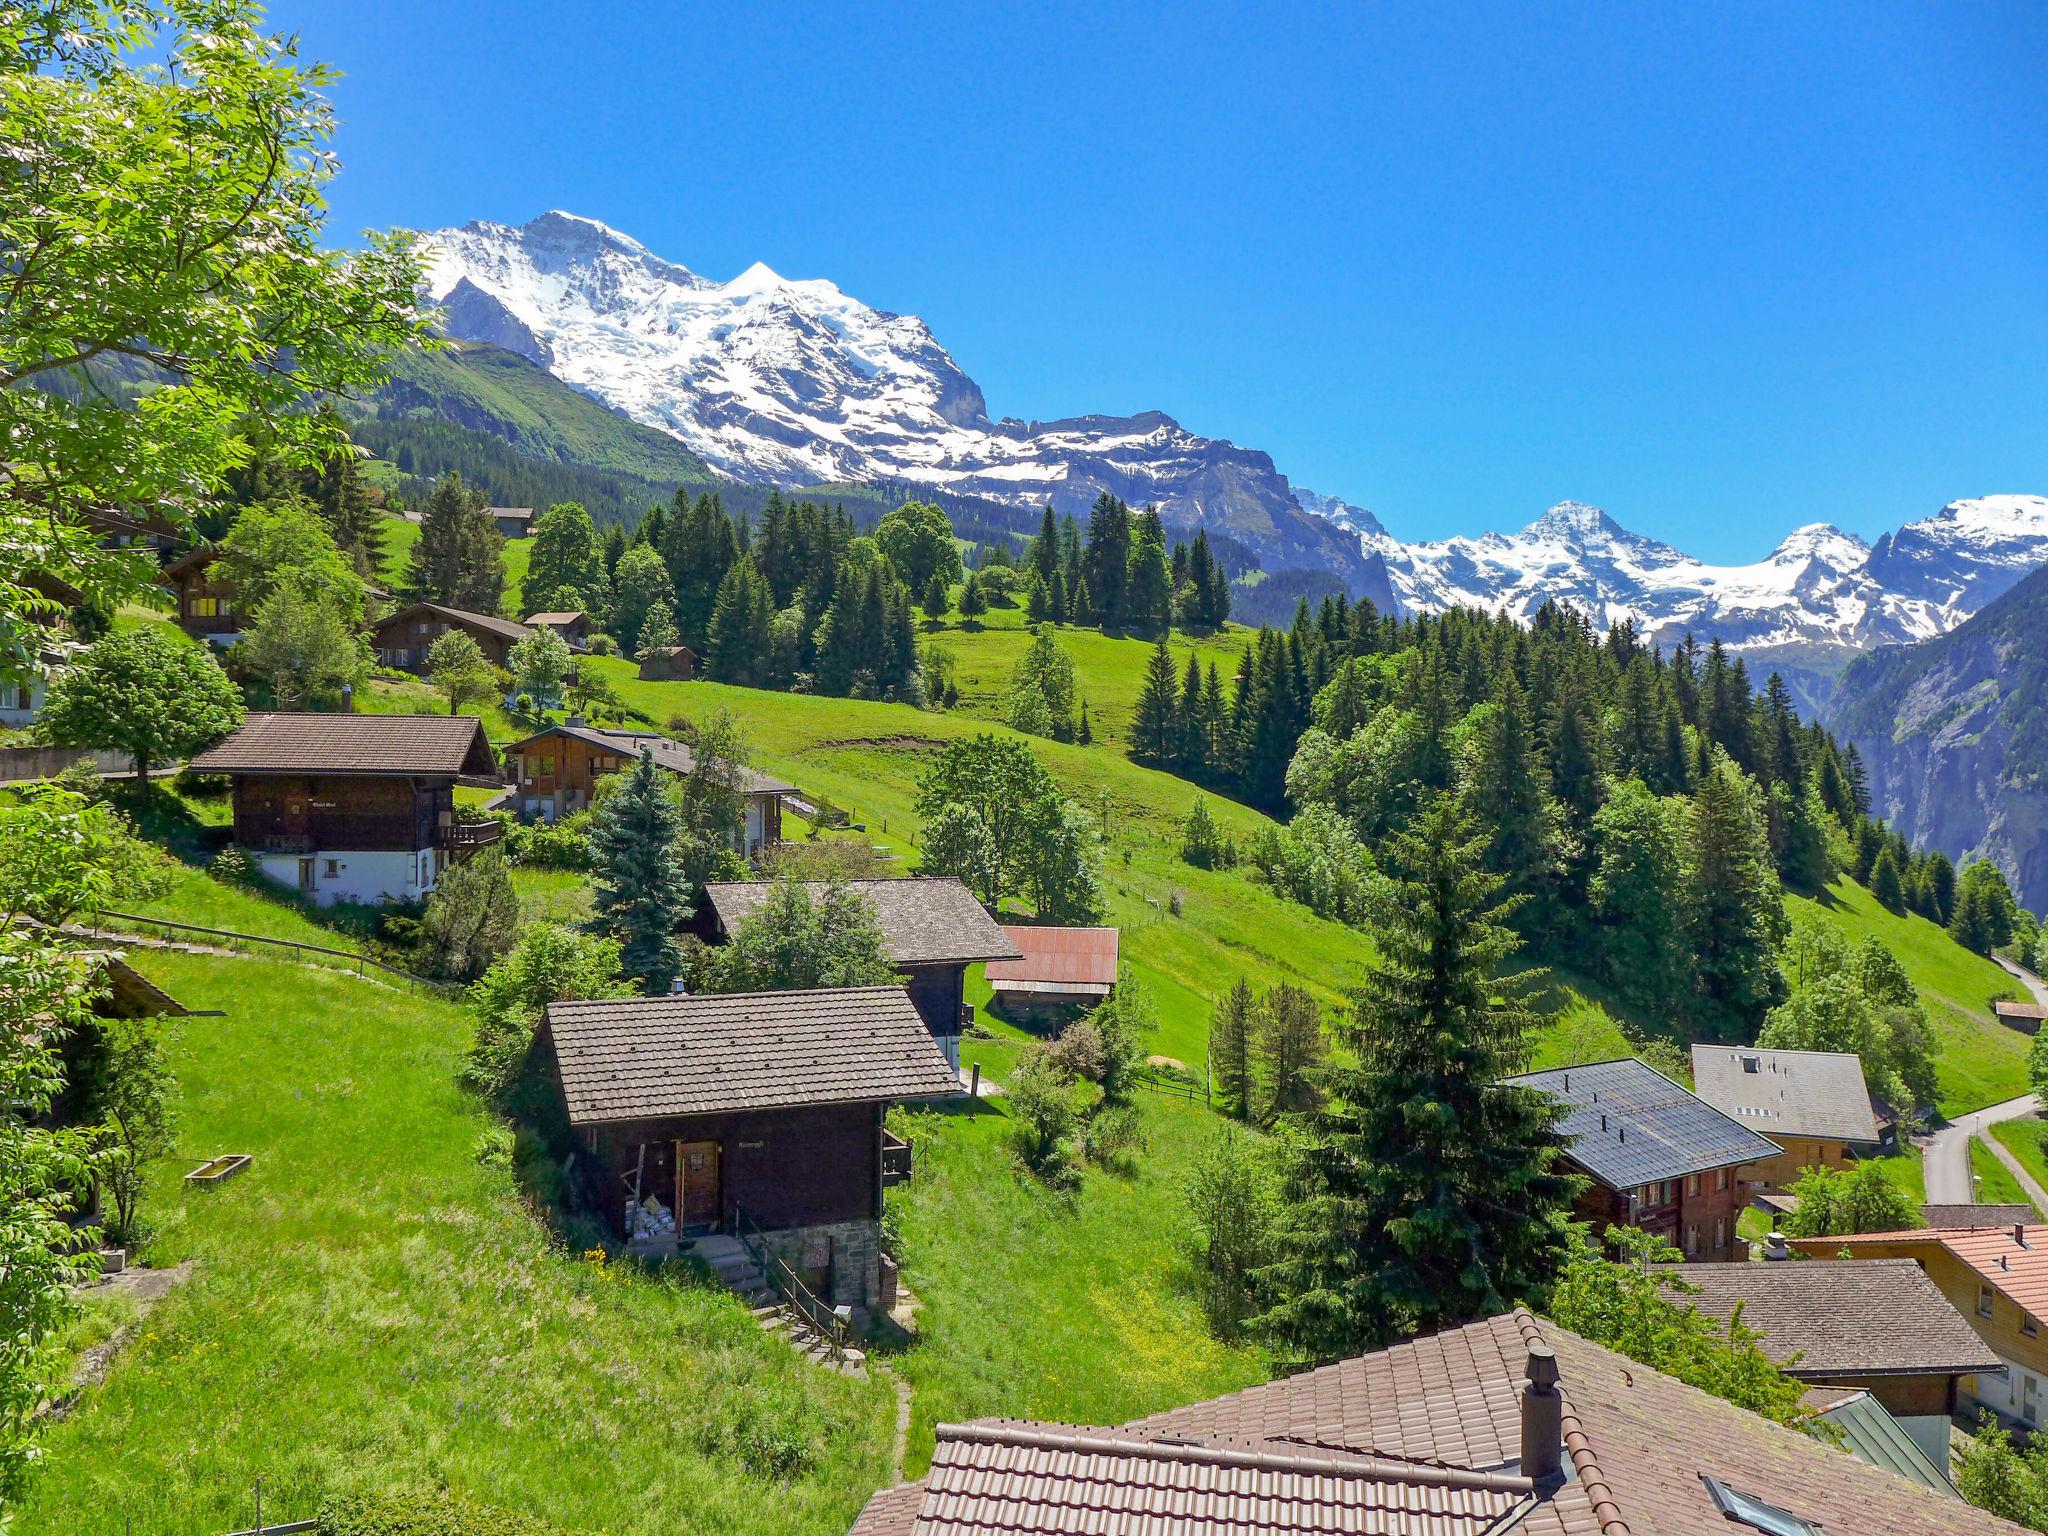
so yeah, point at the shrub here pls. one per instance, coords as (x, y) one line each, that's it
(556, 847)
(1046, 1106)
(423, 1512)
(773, 1434)
(232, 866)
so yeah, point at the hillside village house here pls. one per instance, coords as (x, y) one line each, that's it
(22, 697)
(758, 1114)
(933, 929)
(354, 807)
(553, 773)
(573, 625)
(1506, 1427)
(1813, 1104)
(512, 522)
(1061, 968)
(1655, 1156)
(668, 664)
(402, 639)
(206, 600)
(1997, 1278)
(1880, 1325)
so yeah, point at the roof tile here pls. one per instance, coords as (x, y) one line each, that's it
(1629, 1124)
(923, 921)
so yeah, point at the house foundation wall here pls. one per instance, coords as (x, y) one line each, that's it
(364, 877)
(850, 1251)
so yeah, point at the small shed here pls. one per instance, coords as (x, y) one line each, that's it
(1059, 968)
(2024, 1017)
(512, 522)
(668, 664)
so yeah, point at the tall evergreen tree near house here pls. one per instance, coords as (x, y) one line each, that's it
(1422, 1194)
(1155, 725)
(1230, 1051)
(459, 557)
(639, 885)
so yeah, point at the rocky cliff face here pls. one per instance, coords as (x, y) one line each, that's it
(1954, 733)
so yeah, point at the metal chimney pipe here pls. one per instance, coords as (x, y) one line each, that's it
(1775, 1247)
(1542, 1419)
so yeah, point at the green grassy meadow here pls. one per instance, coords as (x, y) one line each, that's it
(2026, 1140)
(1992, 1180)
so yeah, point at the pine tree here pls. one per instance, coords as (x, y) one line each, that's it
(1424, 1194)
(973, 603)
(1148, 584)
(937, 598)
(698, 545)
(1044, 555)
(1736, 913)
(1941, 887)
(1108, 558)
(1155, 726)
(459, 557)
(1191, 753)
(1230, 1051)
(1859, 780)
(639, 885)
(1886, 884)
(1287, 1043)
(741, 634)
(1505, 793)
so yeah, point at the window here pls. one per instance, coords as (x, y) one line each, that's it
(333, 868)
(1692, 1185)
(1692, 1239)
(1751, 1064)
(205, 607)
(2028, 1326)
(1720, 1231)
(1983, 1301)
(1747, 1509)
(1720, 1178)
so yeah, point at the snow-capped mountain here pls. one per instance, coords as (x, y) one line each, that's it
(1819, 586)
(793, 382)
(796, 383)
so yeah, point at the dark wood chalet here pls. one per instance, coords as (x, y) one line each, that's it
(206, 599)
(403, 639)
(1656, 1157)
(933, 928)
(554, 773)
(572, 625)
(668, 664)
(354, 807)
(512, 522)
(757, 1114)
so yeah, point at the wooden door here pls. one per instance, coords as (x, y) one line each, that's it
(697, 1192)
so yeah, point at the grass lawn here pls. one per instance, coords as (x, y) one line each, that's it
(2026, 1140)
(1049, 1306)
(1981, 1061)
(374, 1305)
(1992, 1180)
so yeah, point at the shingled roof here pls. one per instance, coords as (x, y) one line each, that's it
(1842, 1317)
(923, 921)
(1790, 1093)
(668, 753)
(461, 618)
(648, 1058)
(352, 745)
(1629, 1124)
(1640, 1446)
(1976, 1215)
(2012, 1260)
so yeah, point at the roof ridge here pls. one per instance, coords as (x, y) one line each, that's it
(1578, 1444)
(1361, 1467)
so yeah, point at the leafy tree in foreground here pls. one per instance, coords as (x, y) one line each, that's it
(165, 211)
(127, 1087)
(457, 666)
(1422, 1194)
(549, 964)
(1838, 1202)
(143, 696)
(792, 942)
(997, 778)
(639, 886)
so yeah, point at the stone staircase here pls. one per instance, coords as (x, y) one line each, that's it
(734, 1268)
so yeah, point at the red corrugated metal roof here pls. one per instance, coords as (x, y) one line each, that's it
(1080, 957)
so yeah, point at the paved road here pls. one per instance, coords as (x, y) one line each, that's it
(2028, 979)
(1947, 1162)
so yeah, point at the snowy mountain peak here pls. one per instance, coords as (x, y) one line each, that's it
(1825, 543)
(1574, 520)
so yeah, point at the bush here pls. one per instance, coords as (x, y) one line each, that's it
(423, 1512)
(602, 645)
(232, 866)
(773, 1434)
(556, 847)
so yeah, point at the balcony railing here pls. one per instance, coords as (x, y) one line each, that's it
(470, 835)
(896, 1160)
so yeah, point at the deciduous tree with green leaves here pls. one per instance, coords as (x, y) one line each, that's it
(457, 666)
(794, 940)
(149, 698)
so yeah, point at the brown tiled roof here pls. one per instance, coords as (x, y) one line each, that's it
(1788, 1093)
(668, 753)
(923, 921)
(2016, 1267)
(1061, 1481)
(1058, 958)
(352, 745)
(1976, 1215)
(534, 620)
(1639, 1442)
(1842, 1317)
(461, 618)
(648, 1058)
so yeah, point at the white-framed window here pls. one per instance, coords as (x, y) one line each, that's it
(333, 868)
(1692, 1185)
(1692, 1239)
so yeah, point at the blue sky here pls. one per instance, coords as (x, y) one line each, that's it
(1720, 273)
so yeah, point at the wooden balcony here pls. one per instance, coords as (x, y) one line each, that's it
(896, 1160)
(468, 836)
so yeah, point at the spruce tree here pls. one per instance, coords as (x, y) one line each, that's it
(937, 598)
(1191, 754)
(1155, 726)
(741, 633)
(1423, 1194)
(1148, 585)
(1505, 793)
(1886, 884)
(459, 557)
(1230, 1050)
(639, 888)
(1108, 558)
(1735, 914)
(341, 497)
(973, 604)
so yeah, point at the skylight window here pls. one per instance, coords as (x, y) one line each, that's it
(1745, 1509)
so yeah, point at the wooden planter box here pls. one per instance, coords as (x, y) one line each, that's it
(217, 1170)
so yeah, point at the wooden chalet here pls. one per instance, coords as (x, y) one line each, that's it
(668, 664)
(205, 597)
(48, 647)
(1655, 1156)
(757, 1114)
(1813, 1104)
(402, 639)
(553, 773)
(573, 625)
(1061, 968)
(933, 930)
(354, 807)
(2024, 1017)
(512, 522)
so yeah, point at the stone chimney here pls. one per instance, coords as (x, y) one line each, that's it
(1542, 1419)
